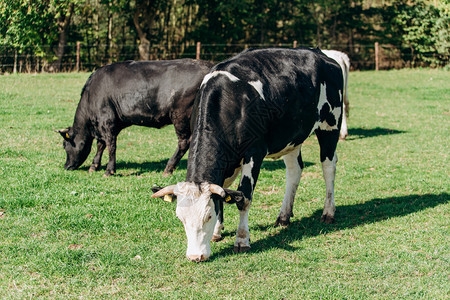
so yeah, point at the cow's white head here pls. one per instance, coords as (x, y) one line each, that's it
(198, 212)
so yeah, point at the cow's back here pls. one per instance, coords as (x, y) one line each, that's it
(144, 92)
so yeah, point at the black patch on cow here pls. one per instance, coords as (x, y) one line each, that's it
(328, 142)
(327, 115)
(246, 188)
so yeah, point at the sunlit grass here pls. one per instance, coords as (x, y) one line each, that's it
(79, 235)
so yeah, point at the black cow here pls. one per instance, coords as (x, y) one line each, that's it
(146, 93)
(261, 103)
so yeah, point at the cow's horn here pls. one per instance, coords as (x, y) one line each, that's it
(165, 191)
(62, 130)
(216, 189)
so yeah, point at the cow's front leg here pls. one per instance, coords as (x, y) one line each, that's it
(217, 235)
(111, 166)
(242, 243)
(96, 163)
(249, 176)
(294, 167)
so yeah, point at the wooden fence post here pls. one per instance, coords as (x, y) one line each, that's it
(15, 62)
(197, 55)
(295, 44)
(78, 56)
(376, 57)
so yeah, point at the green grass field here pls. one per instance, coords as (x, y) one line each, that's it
(69, 234)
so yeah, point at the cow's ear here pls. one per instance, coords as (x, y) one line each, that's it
(232, 196)
(65, 133)
(164, 193)
(156, 189)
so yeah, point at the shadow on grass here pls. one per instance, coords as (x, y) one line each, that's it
(159, 166)
(360, 133)
(347, 216)
(150, 166)
(273, 165)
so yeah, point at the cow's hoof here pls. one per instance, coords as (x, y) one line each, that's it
(216, 238)
(167, 173)
(327, 219)
(108, 173)
(94, 167)
(281, 222)
(240, 249)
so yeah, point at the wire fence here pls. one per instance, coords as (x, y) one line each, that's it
(89, 57)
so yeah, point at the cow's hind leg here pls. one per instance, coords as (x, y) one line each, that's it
(182, 147)
(328, 157)
(96, 163)
(183, 132)
(294, 167)
(111, 144)
(344, 131)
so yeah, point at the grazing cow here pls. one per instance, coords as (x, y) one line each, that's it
(344, 62)
(260, 103)
(146, 93)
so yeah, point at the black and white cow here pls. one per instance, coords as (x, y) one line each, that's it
(344, 62)
(145, 93)
(260, 103)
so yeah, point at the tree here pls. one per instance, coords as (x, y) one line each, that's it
(424, 30)
(144, 15)
(24, 25)
(62, 11)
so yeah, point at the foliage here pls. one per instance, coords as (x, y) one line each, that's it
(115, 30)
(424, 30)
(24, 24)
(68, 234)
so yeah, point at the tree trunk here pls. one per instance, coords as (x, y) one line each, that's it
(108, 46)
(63, 24)
(144, 45)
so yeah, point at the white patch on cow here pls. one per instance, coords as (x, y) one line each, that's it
(195, 209)
(322, 96)
(289, 148)
(216, 73)
(247, 171)
(258, 87)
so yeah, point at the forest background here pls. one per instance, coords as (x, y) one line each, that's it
(52, 35)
